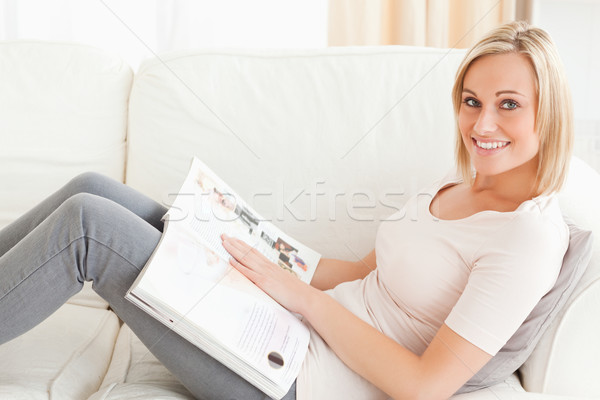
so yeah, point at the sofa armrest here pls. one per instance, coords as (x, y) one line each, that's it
(486, 394)
(511, 389)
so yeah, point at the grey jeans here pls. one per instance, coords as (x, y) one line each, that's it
(96, 229)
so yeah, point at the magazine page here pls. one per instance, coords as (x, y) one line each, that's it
(210, 207)
(207, 299)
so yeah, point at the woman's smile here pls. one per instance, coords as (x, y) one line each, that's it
(489, 147)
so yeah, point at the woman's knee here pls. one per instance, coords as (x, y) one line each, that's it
(84, 181)
(83, 205)
(75, 216)
(88, 182)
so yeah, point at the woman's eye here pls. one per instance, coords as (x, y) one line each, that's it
(471, 102)
(509, 105)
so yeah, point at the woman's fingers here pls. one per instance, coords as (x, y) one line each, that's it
(250, 261)
(235, 247)
(240, 244)
(234, 243)
(242, 251)
(272, 279)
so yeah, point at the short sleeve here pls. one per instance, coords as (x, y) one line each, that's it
(511, 272)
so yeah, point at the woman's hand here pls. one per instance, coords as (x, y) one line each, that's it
(281, 285)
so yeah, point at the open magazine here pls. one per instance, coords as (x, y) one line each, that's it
(189, 285)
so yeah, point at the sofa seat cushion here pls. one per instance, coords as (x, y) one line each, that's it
(135, 373)
(65, 357)
(88, 298)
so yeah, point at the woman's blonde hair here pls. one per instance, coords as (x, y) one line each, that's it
(554, 118)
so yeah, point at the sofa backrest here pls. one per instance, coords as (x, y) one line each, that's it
(325, 143)
(63, 111)
(322, 142)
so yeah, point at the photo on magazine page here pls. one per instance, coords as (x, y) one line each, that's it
(209, 208)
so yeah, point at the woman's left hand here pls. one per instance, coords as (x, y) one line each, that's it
(281, 285)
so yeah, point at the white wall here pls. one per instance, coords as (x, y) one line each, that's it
(574, 26)
(136, 29)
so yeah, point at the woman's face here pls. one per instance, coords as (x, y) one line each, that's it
(497, 114)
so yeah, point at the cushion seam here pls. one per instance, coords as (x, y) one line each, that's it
(77, 354)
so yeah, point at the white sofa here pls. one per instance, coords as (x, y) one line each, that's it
(323, 142)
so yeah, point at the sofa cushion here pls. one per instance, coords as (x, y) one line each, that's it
(566, 361)
(64, 357)
(520, 346)
(325, 143)
(63, 111)
(135, 373)
(88, 298)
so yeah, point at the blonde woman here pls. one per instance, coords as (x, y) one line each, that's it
(418, 316)
(438, 297)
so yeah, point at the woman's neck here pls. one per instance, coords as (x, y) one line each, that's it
(518, 184)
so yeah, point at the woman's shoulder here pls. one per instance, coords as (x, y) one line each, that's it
(539, 222)
(541, 210)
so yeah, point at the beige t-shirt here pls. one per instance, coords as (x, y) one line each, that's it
(481, 275)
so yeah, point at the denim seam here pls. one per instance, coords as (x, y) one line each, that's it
(112, 250)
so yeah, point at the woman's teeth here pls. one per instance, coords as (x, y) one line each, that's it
(491, 145)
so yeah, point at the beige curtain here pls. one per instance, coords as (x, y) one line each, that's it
(437, 23)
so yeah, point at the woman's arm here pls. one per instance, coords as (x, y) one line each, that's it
(439, 372)
(443, 368)
(331, 272)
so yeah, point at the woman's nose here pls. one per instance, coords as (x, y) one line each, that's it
(486, 121)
